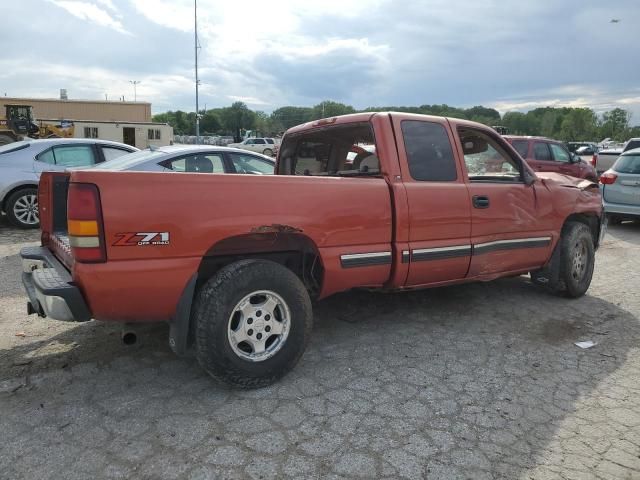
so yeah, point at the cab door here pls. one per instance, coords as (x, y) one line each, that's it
(439, 211)
(542, 159)
(511, 222)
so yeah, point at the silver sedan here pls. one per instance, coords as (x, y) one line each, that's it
(193, 159)
(620, 187)
(22, 162)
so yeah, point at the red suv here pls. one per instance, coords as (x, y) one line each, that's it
(546, 155)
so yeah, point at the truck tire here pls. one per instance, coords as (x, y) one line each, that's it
(267, 151)
(253, 321)
(5, 139)
(22, 208)
(577, 259)
(571, 268)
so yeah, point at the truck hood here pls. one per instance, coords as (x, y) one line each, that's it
(566, 180)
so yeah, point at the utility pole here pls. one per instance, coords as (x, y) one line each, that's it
(195, 24)
(135, 93)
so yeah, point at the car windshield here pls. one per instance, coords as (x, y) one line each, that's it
(628, 164)
(15, 146)
(125, 162)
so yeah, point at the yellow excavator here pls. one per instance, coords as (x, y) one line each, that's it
(18, 124)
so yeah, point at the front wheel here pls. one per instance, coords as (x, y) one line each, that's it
(22, 208)
(252, 321)
(577, 259)
(267, 151)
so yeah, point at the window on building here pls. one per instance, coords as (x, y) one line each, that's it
(90, 132)
(153, 134)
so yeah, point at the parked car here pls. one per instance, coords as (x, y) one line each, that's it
(21, 164)
(604, 159)
(546, 155)
(266, 146)
(620, 187)
(193, 159)
(574, 146)
(233, 261)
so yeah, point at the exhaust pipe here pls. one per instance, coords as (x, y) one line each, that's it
(129, 335)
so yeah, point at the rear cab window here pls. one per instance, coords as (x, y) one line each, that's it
(429, 153)
(334, 151)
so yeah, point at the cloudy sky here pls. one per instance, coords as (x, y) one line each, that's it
(511, 55)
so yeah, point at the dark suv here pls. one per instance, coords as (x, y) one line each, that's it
(546, 155)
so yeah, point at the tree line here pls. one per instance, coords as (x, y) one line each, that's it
(564, 123)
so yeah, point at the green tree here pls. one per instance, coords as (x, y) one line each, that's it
(288, 117)
(237, 117)
(328, 109)
(615, 124)
(210, 123)
(579, 124)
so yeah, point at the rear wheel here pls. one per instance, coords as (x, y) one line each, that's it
(252, 321)
(267, 151)
(5, 139)
(22, 208)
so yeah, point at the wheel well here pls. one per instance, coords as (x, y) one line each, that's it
(295, 251)
(3, 205)
(590, 220)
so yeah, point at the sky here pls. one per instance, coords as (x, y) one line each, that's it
(512, 55)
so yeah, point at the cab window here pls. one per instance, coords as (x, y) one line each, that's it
(68, 156)
(486, 160)
(559, 153)
(522, 147)
(339, 151)
(250, 164)
(201, 163)
(541, 151)
(429, 152)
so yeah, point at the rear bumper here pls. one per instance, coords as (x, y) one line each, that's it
(621, 209)
(50, 287)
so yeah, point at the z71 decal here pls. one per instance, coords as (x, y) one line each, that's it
(130, 239)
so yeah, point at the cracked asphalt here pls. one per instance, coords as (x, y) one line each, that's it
(477, 381)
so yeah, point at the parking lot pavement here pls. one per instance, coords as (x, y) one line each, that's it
(474, 381)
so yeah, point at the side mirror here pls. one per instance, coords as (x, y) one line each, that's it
(528, 178)
(573, 158)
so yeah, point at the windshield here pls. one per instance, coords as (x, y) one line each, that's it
(628, 164)
(13, 147)
(125, 162)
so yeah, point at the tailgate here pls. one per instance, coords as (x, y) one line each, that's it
(52, 205)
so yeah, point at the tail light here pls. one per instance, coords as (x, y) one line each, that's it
(594, 160)
(608, 178)
(84, 223)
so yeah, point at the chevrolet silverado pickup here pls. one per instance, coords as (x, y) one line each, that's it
(387, 201)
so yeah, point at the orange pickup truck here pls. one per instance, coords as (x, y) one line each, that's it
(387, 201)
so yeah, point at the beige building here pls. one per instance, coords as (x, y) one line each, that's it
(94, 110)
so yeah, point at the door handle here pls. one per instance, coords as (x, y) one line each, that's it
(480, 201)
